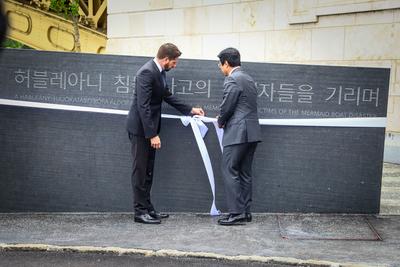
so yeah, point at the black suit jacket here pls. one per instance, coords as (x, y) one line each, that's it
(238, 110)
(144, 118)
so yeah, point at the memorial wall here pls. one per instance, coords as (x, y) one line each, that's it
(64, 146)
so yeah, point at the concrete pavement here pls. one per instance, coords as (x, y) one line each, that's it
(68, 259)
(282, 239)
(322, 240)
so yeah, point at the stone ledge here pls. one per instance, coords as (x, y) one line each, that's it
(310, 14)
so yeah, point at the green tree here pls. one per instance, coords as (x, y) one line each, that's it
(9, 43)
(70, 10)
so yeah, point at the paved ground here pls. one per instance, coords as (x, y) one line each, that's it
(113, 239)
(202, 237)
(68, 259)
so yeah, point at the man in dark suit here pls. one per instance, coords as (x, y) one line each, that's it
(238, 116)
(143, 125)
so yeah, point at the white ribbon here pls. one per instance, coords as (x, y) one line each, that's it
(200, 129)
(325, 122)
(367, 122)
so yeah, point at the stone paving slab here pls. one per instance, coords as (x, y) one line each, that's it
(327, 227)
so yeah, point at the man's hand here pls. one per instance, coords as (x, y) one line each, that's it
(155, 142)
(197, 111)
(219, 125)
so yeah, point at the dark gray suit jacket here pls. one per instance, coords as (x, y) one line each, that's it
(238, 110)
(144, 118)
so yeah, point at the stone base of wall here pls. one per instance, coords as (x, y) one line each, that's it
(392, 147)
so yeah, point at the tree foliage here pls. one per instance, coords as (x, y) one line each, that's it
(9, 43)
(69, 8)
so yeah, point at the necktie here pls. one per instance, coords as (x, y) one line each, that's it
(164, 78)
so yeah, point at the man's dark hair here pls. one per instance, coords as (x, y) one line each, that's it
(230, 55)
(168, 50)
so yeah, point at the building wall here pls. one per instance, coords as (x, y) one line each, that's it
(337, 32)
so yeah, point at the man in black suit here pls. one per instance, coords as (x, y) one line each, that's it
(143, 125)
(238, 116)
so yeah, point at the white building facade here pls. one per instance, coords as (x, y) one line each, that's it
(324, 32)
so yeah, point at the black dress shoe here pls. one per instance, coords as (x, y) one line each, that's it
(158, 215)
(234, 219)
(248, 217)
(146, 218)
(224, 218)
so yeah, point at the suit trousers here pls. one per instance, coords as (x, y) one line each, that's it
(237, 174)
(142, 173)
